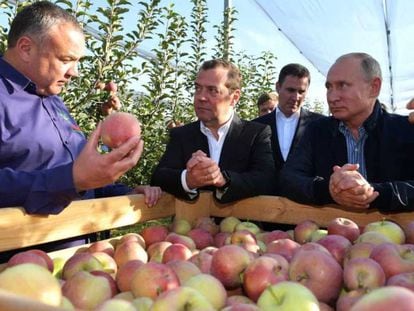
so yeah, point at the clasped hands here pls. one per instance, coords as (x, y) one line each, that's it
(203, 171)
(349, 188)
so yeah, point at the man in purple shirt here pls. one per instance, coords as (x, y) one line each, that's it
(45, 160)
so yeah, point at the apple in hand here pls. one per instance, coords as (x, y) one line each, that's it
(345, 227)
(32, 281)
(386, 298)
(389, 229)
(262, 272)
(287, 296)
(118, 127)
(313, 268)
(363, 273)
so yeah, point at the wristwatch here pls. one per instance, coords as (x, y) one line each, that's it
(227, 183)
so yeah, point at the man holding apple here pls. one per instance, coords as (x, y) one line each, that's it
(45, 160)
(361, 156)
(219, 152)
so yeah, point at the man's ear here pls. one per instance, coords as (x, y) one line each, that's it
(25, 47)
(236, 97)
(375, 87)
(277, 87)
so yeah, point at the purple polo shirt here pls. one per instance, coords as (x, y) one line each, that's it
(38, 142)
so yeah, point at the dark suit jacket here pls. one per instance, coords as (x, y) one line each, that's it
(305, 118)
(246, 156)
(388, 151)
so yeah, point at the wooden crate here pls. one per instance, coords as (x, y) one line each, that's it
(17, 229)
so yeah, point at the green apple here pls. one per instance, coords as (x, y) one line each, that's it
(389, 229)
(180, 226)
(210, 287)
(228, 224)
(182, 299)
(287, 296)
(116, 304)
(58, 264)
(142, 303)
(32, 281)
(247, 225)
(318, 234)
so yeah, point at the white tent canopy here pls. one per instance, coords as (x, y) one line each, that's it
(325, 29)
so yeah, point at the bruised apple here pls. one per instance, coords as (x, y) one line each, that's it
(118, 127)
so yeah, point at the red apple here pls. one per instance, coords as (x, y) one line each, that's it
(118, 127)
(152, 278)
(284, 247)
(80, 262)
(245, 239)
(102, 246)
(45, 256)
(176, 252)
(203, 259)
(125, 273)
(403, 279)
(156, 251)
(359, 250)
(201, 238)
(409, 232)
(363, 273)
(208, 224)
(221, 238)
(184, 269)
(313, 268)
(27, 257)
(153, 234)
(175, 238)
(393, 258)
(132, 236)
(129, 250)
(386, 298)
(303, 231)
(111, 86)
(345, 227)
(262, 272)
(274, 235)
(228, 262)
(347, 299)
(337, 245)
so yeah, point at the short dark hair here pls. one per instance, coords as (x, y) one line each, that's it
(296, 70)
(234, 78)
(36, 19)
(369, 65)
(265, 97)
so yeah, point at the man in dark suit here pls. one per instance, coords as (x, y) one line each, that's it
(289, 121)
(219, 152)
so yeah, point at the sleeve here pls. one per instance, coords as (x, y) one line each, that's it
(167, 174)
(39, 192)
(259, 178)
(395, 196)
(298, 181)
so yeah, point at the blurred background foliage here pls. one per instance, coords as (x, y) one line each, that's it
(155, 85)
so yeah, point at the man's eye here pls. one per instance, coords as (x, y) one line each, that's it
(212, 90)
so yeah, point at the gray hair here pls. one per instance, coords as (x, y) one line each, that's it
(369, 65)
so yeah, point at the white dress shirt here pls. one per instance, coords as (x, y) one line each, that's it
(286, 128)
(214, 146)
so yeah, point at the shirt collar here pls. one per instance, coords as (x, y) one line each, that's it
(280, 115)
(14, 78)
(221, 131)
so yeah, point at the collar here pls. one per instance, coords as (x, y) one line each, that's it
(280, 115)
(15, 79)
(222, 129)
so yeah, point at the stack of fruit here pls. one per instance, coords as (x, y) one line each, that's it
(233, 265)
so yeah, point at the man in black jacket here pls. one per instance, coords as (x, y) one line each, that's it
(361, 156)
(219, 152)
(289, 120)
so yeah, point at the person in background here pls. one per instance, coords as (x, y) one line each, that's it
(289, 120)
(219, 152)
(267, 102)
(359, 157)
(45, 160)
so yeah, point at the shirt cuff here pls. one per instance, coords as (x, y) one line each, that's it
(185, 186)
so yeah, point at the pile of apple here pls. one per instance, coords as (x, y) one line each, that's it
(233, 265)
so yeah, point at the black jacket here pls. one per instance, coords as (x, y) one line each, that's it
(246, 157)
(389, 156)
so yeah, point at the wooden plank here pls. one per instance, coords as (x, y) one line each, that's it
(17, 229)
(193, 210)
(282, 210)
